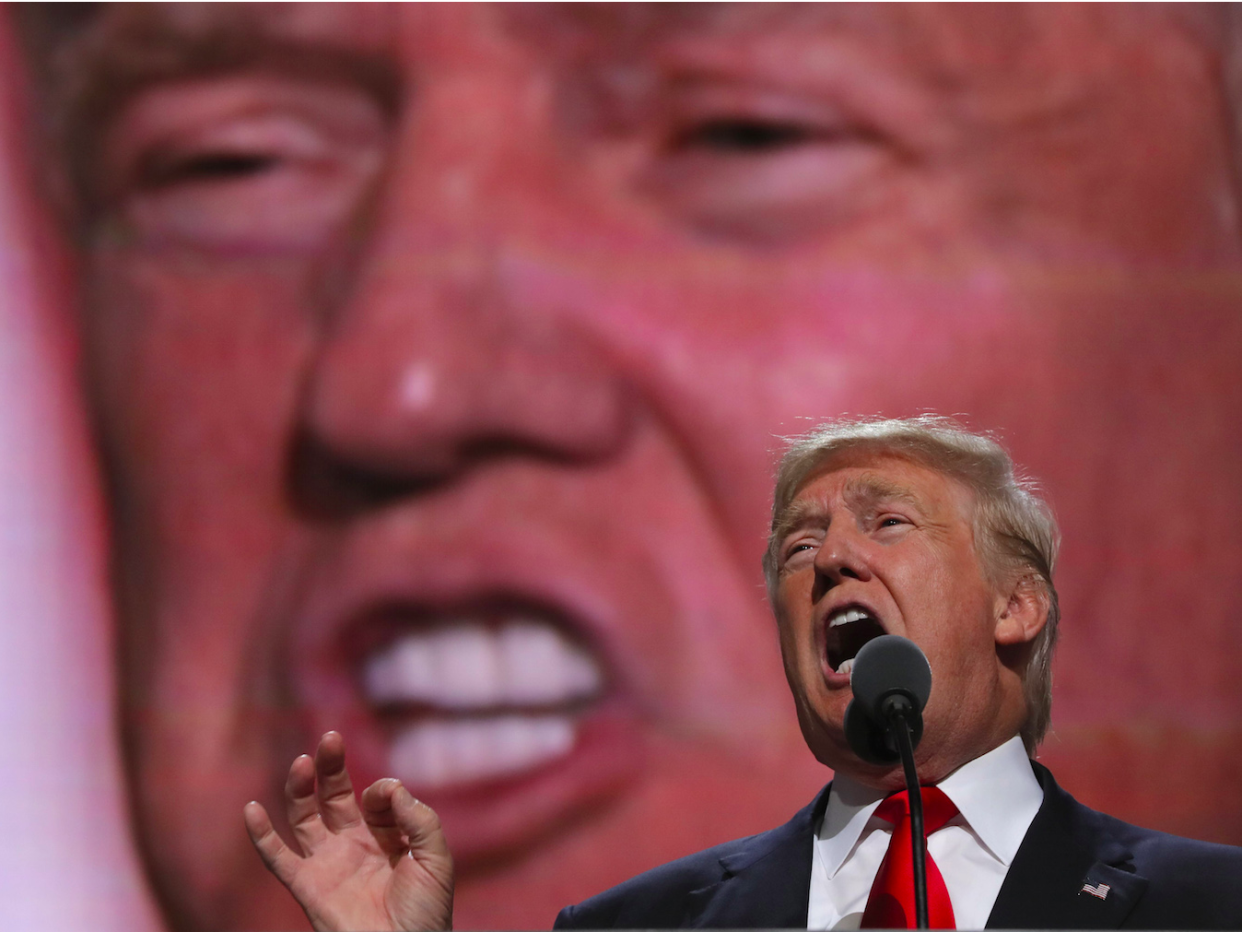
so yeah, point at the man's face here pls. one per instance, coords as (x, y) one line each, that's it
(437, 352)
(886, 546)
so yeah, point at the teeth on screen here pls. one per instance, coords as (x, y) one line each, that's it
(846, 666)
(438, 752)
(471, 666)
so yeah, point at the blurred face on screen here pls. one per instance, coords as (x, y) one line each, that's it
(439, 353)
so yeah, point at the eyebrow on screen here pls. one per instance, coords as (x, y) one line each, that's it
(109, 57)
(107, 61)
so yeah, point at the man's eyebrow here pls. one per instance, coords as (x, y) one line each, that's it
(865, 492)
(800, 514)
(93, 69)
(797, 515)
(861, 495)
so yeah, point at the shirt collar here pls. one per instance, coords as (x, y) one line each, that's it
(998, 796)
(850, 805)
(996, 793)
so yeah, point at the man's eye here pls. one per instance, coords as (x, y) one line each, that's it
(800, 548)
(757, 167)
(742, 135)
(248, 162)
(891, 521)
(206, 166)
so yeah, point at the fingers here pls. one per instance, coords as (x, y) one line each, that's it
(280, 860)
(378, 813)
(318, 799)
(337, 805)
(302, 804)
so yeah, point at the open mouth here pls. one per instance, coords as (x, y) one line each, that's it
(479, 697)
(847, 630)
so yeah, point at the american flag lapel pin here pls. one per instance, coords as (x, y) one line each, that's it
(1099, 890)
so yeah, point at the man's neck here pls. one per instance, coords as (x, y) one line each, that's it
(934, 768)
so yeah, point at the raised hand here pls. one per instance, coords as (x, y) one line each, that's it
(383, 866)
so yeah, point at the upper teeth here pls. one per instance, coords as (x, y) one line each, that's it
(847, 616)
(489, 671)
(472, 666)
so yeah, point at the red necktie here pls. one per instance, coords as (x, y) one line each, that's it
(891, 903)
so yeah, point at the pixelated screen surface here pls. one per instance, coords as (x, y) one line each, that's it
(420, 371)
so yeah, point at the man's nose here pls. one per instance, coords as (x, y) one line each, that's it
(444, 357)
(841, 556)
(433, 368)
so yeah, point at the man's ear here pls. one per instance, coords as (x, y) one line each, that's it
(1024, 613)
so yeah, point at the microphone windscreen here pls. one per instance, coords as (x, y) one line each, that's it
(886, 665)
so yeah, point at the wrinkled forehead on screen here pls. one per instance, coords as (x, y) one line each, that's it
(92, 59)
(117, 45)
(349, 24)
(91, 52)
(58, 21)
(92, 56)
(95, 56)
(94, 53)
(223, 32)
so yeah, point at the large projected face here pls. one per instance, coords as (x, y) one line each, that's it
(438, 356)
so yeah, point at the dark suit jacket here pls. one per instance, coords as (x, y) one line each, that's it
(1156, 881)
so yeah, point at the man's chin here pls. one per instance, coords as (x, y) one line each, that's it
(831, 748)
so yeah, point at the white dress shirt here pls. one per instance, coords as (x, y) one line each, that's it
(997, 797)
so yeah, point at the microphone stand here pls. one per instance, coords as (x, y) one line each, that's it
(898, 710)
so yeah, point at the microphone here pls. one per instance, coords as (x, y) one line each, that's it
(892, 681)
(890, 675)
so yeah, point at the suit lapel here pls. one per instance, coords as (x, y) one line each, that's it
(767, 884)
(1067, 849)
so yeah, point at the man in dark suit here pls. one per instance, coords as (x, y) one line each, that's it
(1150, 880)
(911, 527)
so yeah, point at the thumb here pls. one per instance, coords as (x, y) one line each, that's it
(421, 895)
(427, 844)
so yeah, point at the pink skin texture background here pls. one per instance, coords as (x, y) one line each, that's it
(1043, 243)
(67, 860)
